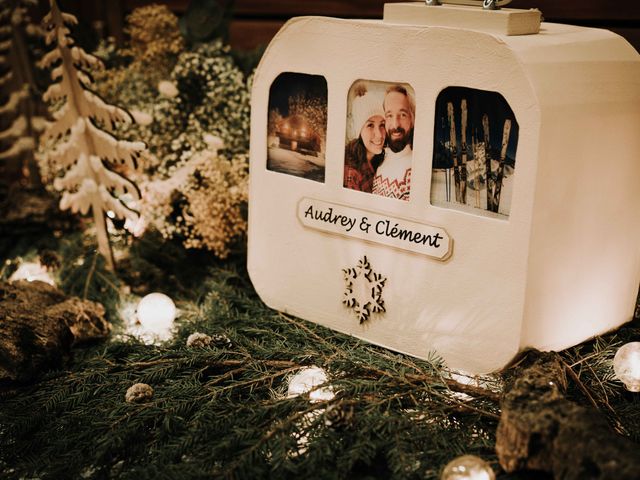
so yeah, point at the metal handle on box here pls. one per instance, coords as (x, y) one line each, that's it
(486, 4)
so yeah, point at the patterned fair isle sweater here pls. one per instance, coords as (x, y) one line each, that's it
(393, 177)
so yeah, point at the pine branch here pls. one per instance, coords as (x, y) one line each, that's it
(63, 124)
(224, 411)
(13, 102)
(87, 283)
(106, 146)
(82, 59)
(17, 129)
(6, 78)
(108, 116)
(50, 58)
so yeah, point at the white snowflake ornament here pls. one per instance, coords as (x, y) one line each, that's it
(363, 290)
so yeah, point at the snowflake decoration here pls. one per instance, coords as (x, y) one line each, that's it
(363, 291)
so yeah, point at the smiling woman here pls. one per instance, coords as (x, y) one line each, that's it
(379, 138)
(366, 137)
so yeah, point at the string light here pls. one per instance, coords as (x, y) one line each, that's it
(32, 271)
(136, 227)
(151, 319)
(467, 467)
(626, 366)
(156, 308)
(307, 380)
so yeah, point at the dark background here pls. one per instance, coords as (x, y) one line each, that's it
(256, 21)
(289, 84)
(479, 102)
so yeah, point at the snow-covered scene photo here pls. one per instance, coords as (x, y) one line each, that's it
(474, 152)
(297, 126)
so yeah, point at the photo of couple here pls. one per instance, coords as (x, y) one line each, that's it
(379, 140)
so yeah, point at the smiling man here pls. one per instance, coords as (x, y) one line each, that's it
(393, 177)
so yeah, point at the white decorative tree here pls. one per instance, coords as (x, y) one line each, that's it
(87, 151)
(20, 122)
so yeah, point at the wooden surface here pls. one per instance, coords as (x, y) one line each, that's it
(256, 21)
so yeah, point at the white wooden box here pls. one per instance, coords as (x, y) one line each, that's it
(561, 265)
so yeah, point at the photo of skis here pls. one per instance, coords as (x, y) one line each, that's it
(474, 152)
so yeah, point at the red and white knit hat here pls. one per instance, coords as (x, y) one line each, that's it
(364, 105)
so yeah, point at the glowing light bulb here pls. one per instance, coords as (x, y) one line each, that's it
(136, 227)
(626, 365)
(467, 467)
(306, 380)
(32, 271)
(156, 313)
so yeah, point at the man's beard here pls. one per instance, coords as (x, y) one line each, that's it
(399, 144)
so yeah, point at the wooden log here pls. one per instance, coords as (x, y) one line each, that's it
(541, 430)
(38, 326)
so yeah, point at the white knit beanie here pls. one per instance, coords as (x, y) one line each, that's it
(364, 106)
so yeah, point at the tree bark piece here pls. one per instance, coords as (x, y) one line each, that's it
(39, 325)
(541, 430)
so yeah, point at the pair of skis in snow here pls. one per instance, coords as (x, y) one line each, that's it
(494, 186)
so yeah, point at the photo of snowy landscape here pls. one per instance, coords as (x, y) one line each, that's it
(297, 125)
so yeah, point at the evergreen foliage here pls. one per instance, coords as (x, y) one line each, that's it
(83, 273)
(222, 411)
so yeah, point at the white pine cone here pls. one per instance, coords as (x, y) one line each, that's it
(198, 340)
(221, 341)
(138, 393)
(338, 416)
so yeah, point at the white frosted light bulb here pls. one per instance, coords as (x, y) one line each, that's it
(467, 467)
(32, 271)
(307, 379)
(156, 310)
(626, 365)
